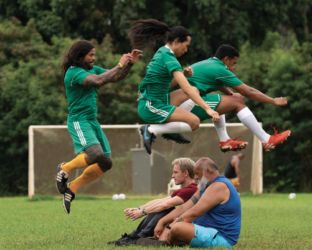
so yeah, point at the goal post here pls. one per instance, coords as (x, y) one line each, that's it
(133, 170)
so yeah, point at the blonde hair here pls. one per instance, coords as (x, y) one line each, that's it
(186, 164)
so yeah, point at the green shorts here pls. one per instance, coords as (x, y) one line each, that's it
(154, 112)
(86, 133)
(213, 100)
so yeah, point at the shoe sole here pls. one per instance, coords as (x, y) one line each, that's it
(229, 148)
(57, 188)
(281, 142)
(141, 129)
(179, 142)
(66, 211)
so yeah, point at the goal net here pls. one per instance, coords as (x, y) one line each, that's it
(134, 171)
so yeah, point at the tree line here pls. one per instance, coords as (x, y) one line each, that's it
(273, 37)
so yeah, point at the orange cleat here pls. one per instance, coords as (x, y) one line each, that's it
(232, 145)
(276, 139)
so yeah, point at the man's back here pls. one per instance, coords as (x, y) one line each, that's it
(228, 213)
(211, 74)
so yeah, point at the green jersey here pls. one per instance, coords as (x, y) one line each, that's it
(81, 101)
(211, 74)
(156, 83)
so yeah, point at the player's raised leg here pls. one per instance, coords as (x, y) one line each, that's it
(179, 121)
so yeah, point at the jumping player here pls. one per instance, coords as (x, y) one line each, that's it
(82, 79)
(216, 73)
(156, 104)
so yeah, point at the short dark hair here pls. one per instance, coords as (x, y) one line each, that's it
(226, 50)
(178, 32)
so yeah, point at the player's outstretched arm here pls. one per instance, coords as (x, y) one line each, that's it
(117, 73)
(257, 95)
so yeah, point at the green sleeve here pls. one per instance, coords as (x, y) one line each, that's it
(171, 63)
(99, 70)
(228, 79)
(78, 76)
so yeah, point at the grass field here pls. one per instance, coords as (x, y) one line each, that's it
(270, 221)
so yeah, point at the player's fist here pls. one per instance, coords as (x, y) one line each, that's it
(136, 54)
(214, 115)
(124, 60)
(188, 71)
(280, 101)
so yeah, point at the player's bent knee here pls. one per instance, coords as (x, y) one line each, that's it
(95, 154)
(240, 99)
(105, 163)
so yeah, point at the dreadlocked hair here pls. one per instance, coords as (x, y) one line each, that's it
(75, 54)
(146, 33)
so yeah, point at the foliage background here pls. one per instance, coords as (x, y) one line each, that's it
(274, 38)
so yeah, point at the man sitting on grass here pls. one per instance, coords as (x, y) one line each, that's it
(211, 218)
(183, 174)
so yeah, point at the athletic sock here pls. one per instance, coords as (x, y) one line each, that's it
(90, 174)
(250, 121)
(220, 127)
(78, 162)
(169, 128)
(187, 105)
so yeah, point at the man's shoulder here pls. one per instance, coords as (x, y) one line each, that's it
(211, 63)
(221, 183)
(74, 69)
(166, 53)
(72, 72)
(191, 187)
(97, 70)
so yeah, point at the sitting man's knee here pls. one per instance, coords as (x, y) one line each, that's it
(175, 230)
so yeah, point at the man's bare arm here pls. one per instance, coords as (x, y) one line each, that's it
(169, 218)
(113, 75)
(215, 194)
(257, 95)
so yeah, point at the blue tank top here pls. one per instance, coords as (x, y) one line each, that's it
(226, 218)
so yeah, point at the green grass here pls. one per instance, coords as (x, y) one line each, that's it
(270, 221)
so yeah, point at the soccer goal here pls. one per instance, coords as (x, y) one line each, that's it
(134, 171)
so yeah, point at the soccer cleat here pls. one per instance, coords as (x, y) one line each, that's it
(148, 138)
(276, 139)
(232, 145)
(178, 138)
(61, 179)
(68, 197)
(125, 240)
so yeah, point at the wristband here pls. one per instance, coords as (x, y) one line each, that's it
(120, 65)
(144, 212)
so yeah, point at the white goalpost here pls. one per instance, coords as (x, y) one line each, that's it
(134, 171)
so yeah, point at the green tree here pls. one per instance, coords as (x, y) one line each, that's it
(282, 67)
(32, 92)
